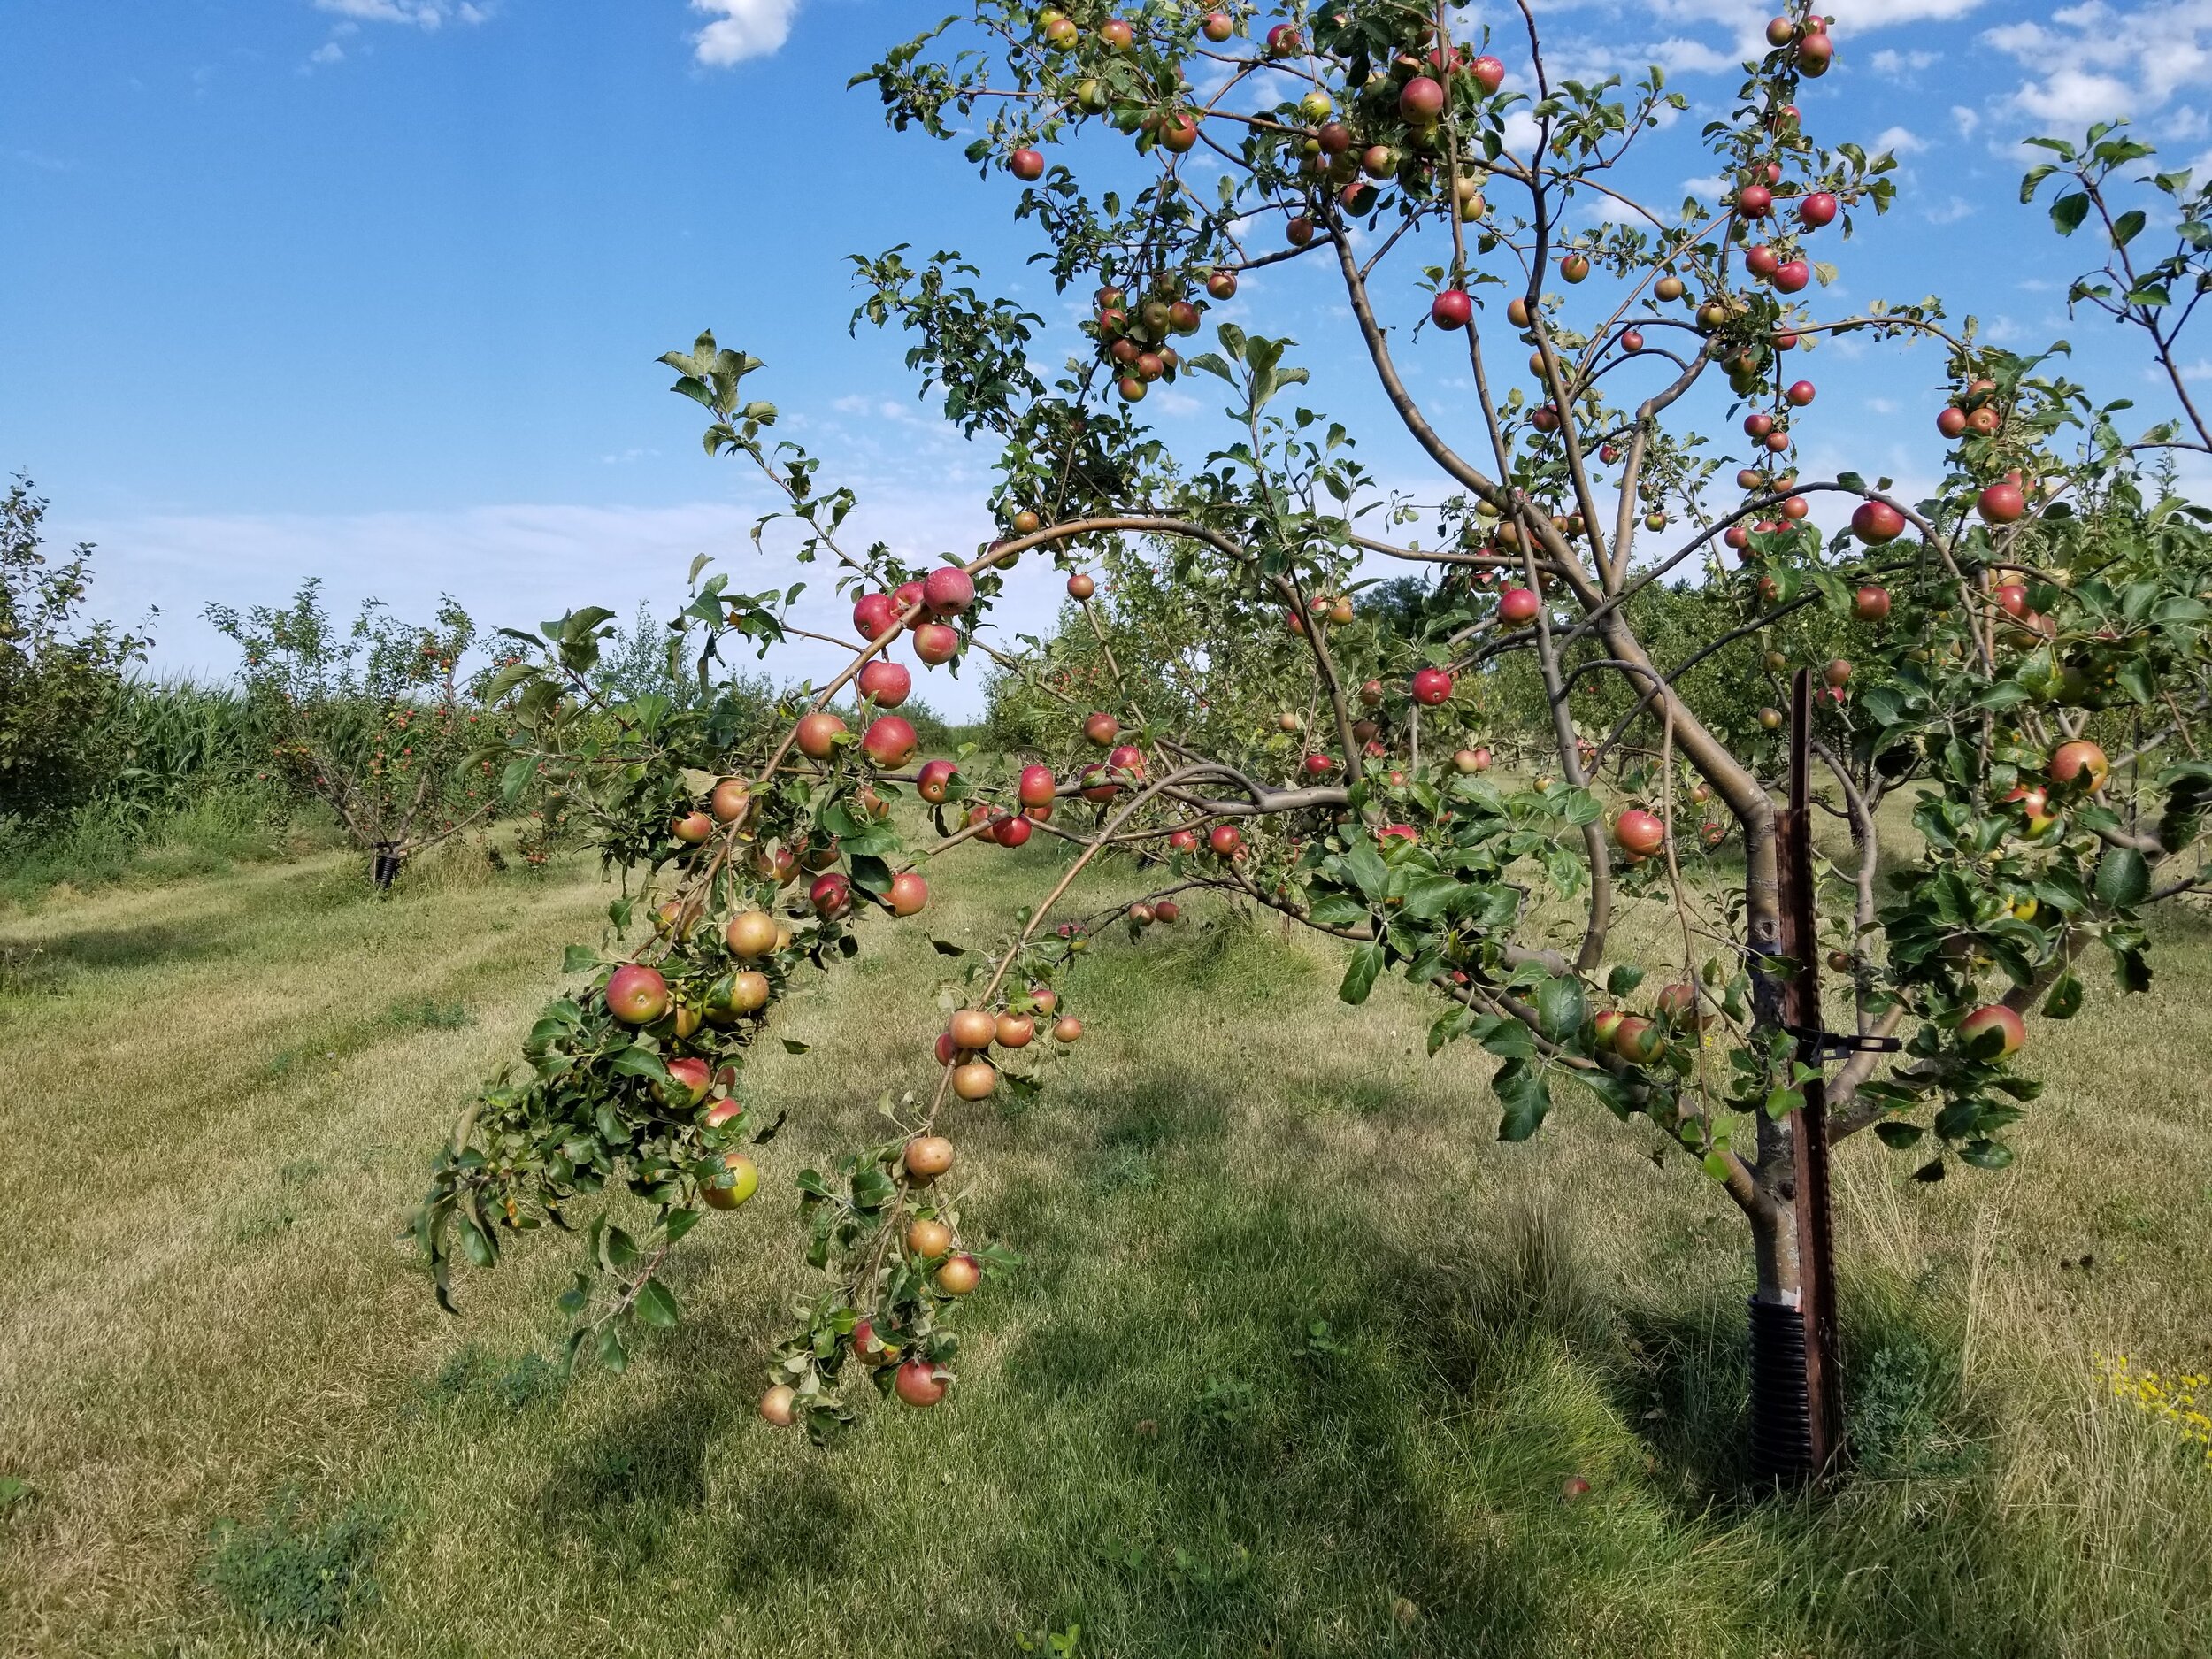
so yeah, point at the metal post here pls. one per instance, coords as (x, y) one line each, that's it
(1808, 1126)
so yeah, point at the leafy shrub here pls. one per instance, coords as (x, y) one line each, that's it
(293, 1576)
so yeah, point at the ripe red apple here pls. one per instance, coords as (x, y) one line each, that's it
(1452, 309)
(1283, 42)
(637, 995)
(1067, 1028)
(1178, 132)
(1318, 765)
(1639, 832)
(1471, 760)
(1183, 841)
(889, 741)
(949, 590)
(1573, 268)
(1015, 1031)
(1518, 606)
(975, 1080)
(909, 893)
(2002, 503)
(819, 734)
(1028, 166)
(960, 1275)
(1125, 758)
(1801, 393)
(1677, 1004)
(1421, 101)
(933, 782)
(1638, 1041)
(1792, 275)
(886, 684)
(1036, 786)
(1225, 840)
(2080, 763)
(2011, 1030)
(920, 1383)
(1218, 27)
(1101, 728)
(928, 1237)
(692, 1077)
(1433, 686)
(869, 1347)
(1222, 285)
(936, 642)
(1081, 586)
(1166, 911)
(1837, 672)
(691, 828)
(1488, 74)
(831, 894)
(1870, 603)
(874, 616)
(1877, 523)
(1815, 53)
(1012, 830)
(1951, 422)
(1755, 201)
(1816, 209)
(1763, 262)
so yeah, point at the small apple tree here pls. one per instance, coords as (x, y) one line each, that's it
(2029, 640)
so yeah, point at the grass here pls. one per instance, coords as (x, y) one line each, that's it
(1299, 1364)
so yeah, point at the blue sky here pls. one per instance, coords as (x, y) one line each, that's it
(371, 289)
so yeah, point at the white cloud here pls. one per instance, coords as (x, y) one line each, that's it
(328, 52)
(426, 14)
(1952, 210)
(1899, 141)
(2110, 61)
(1965, 119)
(744, 29)
(1894, 64)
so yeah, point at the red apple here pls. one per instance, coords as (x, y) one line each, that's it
(1792, 275)
(637, 995)
(889, 741)
(920, 1383)
(1433, 686)
(1471, 760)
(1028, 166)
(819, 734)
(1036, 786)
(1081, 586)
(1218, 27)
(1421, 101)
(691, 828)
(2079, 764)
(1870, 603)
(1994, 1016)
(1877, 523)
(1837, 672)
(1488, 74)
(1101, 728)
(933, 782)
(1639, 833)
(1225, 840)
(886, 684)
(1125, 758)
(1801, 393)
(831, 894)
(909, 893)
(1755, 201)
(2002, 503)
(1816, 209)
(949, 590)
(874, 616)
(1951, 422)
(1518, 606)
(1452, 309)
(1011, 830)
(936, 642)
(692, 1077)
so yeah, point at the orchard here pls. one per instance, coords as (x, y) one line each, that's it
(1583, 719)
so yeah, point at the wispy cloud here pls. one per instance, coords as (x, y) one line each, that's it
(741, 29)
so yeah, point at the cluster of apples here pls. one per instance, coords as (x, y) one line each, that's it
(926, 607)
(1133, 331)
(1677, 1009)
(970, 1035)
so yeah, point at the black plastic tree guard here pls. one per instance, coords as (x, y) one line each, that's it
(1781, 1415)
(386, 869)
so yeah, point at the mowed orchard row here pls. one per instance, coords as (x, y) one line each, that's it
(1300, 1355)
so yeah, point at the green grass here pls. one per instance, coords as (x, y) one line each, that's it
(1299, 1362)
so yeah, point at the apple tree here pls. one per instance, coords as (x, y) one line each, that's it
(2018, 648)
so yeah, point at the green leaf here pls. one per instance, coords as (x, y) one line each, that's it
(1561, 1007)
(1899, 1136)
(2123, 880)
(2064, 1002)
(1526, 1096)
(639, 1061)
(1986, 1155)
(1624, 977)
(656, 1304)
(2067, 213)
(2128, 226)
(578, 959)
(1359, 974)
